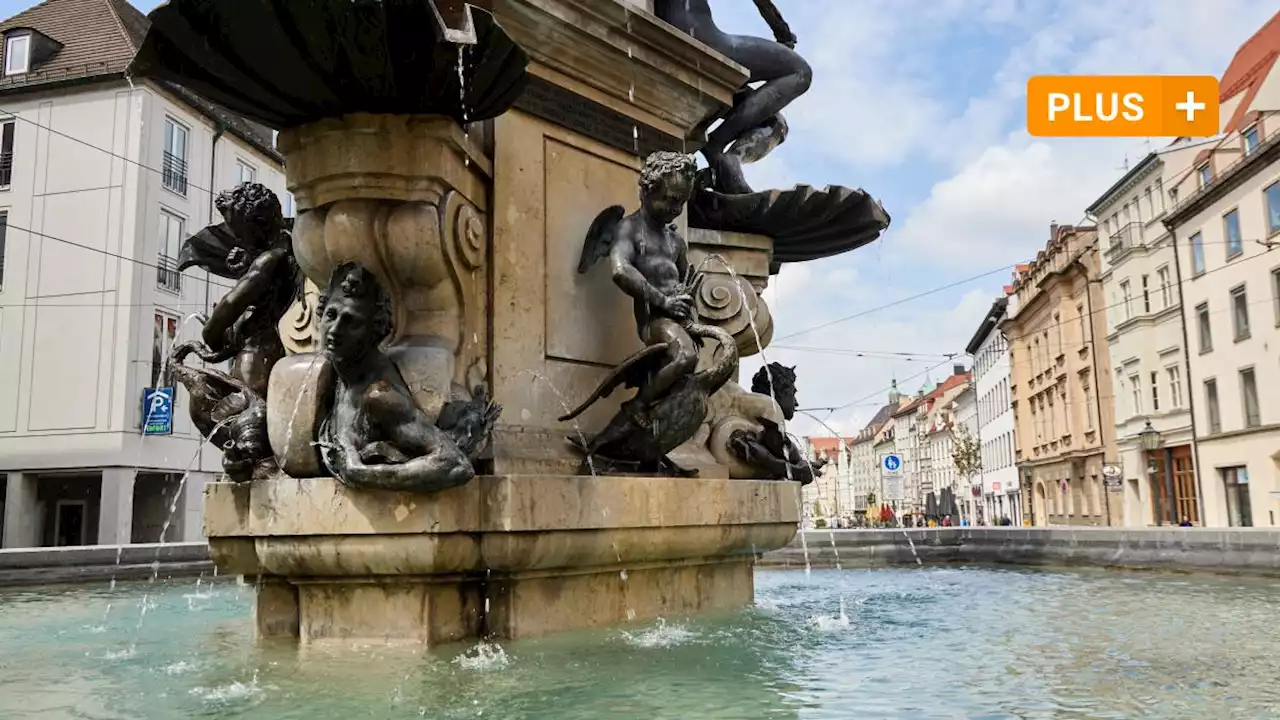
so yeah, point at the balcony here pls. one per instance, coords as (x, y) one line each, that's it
(1123, 241)
(167, 275)
(174, 173)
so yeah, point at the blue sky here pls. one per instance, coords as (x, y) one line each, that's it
(920, 102)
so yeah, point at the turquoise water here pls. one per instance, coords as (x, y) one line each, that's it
(899, 643)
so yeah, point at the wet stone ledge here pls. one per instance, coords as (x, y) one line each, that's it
(1236, 550)
(102, 563)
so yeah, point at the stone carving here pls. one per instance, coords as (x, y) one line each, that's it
(298, 326)
(252, 247)
(376, 436)
(731, 303)
(428, 255)
(767, 448)
(355, 58)
(752, 126)
(650, 262)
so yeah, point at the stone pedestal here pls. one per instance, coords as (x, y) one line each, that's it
(504, 556)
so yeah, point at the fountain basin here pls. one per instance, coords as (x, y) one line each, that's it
(507, 556)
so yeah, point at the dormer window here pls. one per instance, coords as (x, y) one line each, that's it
(17, 54)
(1250, 136)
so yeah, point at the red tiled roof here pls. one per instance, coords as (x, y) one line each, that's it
(1249, 68)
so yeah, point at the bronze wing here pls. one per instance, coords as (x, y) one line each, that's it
(633, 371)
(599, 239)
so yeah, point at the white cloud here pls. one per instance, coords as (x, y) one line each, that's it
(881, 100)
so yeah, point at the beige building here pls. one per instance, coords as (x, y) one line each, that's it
(101, 178)
(1226, 228)
(1060, 373)
(1145, 341)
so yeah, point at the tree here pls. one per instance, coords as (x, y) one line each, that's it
(966, 455)
(817, 508)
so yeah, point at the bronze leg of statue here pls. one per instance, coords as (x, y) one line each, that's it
(682, 361)
(786, 76)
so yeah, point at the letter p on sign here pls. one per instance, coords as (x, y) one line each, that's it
(1122, 106)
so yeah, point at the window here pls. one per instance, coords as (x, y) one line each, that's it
(1202, 324)
(174, 170)
(1125, 296)
(1166, 290)
(1205, 174)
(1175, 385)
(170, 239)
(1240, 313)
(1197, 255)
(246, 171)
(1173, 196)
(162, 340)
(1151, 208)
(1235, 481)
(1250, 140)
(1086, 390)
(4, 231)
(1135, 388)
(1275, 293)
(1160, 193)
(289, 210)
(1231, 230)
(1084, 336)
(1155, 391)
(17, 54)
(6, 153)
(1249, 398)
(1211, 406)
(1272, 194)
(1146, 296)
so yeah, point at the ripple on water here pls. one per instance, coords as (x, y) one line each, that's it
(906, 643)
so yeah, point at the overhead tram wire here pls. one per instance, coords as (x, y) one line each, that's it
(107, 253)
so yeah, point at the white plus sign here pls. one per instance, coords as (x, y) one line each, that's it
(1190, 106)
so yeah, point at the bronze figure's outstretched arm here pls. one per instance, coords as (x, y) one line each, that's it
(781, 30)
(247, 291)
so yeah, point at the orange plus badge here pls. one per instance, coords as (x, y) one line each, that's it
(1122, 106)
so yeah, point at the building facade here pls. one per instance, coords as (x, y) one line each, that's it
(1226, 230)
(1060, 373)
(101, 180)
(1145, 341)
(993, 423)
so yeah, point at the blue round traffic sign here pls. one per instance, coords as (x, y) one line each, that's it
(892, 462)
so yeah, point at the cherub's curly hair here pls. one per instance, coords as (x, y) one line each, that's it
(255, 207)
(664, 163)
(354, 281)
(784, 378)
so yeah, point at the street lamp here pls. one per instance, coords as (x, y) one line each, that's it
(1151, 439)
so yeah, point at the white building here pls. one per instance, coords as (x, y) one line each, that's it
(1144, 336)
(101, 178)
(1226, 227)
(994, 425)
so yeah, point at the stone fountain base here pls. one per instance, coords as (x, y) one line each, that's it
(504, 556)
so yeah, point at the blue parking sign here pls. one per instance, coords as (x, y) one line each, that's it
(157, 411)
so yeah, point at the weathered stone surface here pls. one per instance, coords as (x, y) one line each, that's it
(299, 392)
(1228, 550)
(377, 565)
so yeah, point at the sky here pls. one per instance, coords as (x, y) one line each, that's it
(920, 103)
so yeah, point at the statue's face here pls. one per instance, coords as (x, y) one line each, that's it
(347, 327)
(666, 200)
(786, 400)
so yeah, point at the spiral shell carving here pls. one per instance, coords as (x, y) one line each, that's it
(732, 304)
(298, 326)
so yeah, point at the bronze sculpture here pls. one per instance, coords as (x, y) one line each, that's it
(649, 262)
(251, 246)
(754, 120)
(376, 436)
(770, 450)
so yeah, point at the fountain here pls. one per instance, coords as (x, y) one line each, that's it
(399, 476)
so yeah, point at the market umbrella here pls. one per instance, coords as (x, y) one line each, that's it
(931, 505)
